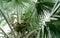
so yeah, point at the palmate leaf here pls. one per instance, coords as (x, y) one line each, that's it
(48, 9)
(46, 17)
(9, 8)
(54, 26)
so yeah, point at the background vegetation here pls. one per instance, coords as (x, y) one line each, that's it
(30, 18)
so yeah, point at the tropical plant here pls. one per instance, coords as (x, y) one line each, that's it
(30, 18)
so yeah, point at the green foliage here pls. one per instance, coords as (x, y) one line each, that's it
(43, 15)
(51, 1)
(20, 1)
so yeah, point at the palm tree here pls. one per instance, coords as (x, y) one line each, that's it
(30, 18)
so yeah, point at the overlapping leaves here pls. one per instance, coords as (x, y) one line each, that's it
(47, 15)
